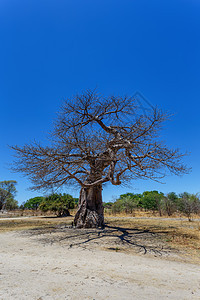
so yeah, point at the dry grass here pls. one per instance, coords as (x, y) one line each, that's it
(174, 233)
(179, 234)
(33, 223)
(150, 214)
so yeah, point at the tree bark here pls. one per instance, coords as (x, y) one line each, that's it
(90, 212)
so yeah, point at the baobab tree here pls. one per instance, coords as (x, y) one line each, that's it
(97, 140)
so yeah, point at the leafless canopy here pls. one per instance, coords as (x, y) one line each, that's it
(98, 140)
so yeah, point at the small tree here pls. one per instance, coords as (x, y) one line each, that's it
(129, 202)
(7, 193)
(117, 206)
(98, 140)
(189, 204)
(152, 200)
(11, 204)
(170, 203)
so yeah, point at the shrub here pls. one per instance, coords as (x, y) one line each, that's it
(58, 203)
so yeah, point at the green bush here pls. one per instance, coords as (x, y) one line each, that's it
(58, 203)
(152, 200)
(33, 203)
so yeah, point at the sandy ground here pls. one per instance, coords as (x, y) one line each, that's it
(43, 266)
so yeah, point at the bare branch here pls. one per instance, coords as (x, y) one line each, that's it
(96, 140)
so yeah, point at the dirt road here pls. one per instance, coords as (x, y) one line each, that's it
(35, 270)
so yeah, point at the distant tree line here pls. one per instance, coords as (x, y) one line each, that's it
(57, 203)
(60, 204)
(184, 203)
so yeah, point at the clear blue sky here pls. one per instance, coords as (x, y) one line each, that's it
(51, 50)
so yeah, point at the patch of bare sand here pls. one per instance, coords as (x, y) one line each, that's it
(73, 264)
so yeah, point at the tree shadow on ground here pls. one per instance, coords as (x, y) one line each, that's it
(114, 238)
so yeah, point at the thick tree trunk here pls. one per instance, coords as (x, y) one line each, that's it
(90, 211)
